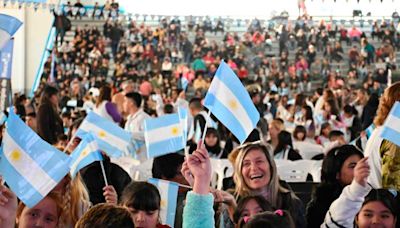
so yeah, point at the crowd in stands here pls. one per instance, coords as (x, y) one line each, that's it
(309, 108)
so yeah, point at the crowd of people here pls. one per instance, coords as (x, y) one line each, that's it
(129, 72)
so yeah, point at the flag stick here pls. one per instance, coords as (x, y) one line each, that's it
(205, 127)
(69, 143)
(104, 172)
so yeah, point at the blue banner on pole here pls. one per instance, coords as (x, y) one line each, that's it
(6, 60)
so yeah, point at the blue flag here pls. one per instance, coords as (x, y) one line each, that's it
(112, 139)
(30, 166)
(163, 135)
(6, 55)
(85, 154)
(169, 195)
(8, 26)
(391, 127)
(229, 101)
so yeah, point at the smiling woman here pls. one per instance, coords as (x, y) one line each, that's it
(256, 174)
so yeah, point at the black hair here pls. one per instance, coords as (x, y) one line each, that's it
(141, 196)
(196, 103)
(166, 166)
(270, 219)
(386, 197)
(284, 140)
(168, 109)
(261, 201)
(135, 97)
(300, 129)
(334, 160)
(31, 114)
(335, 133)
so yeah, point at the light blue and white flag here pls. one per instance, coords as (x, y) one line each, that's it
(184, 83)
(169, 195)
(183, 117)
(229, 101)
(8, 26)
(112, 139)
(369, 130)
(163, 135)
(391, 127)
(85, 154)
(29, 165)
(197, 133)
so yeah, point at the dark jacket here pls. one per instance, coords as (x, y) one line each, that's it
(49, 123)
(322, 198)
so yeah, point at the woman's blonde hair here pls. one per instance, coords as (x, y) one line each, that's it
(389, 97)
(273, 187)
(75, 200)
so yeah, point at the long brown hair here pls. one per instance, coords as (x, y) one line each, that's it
(104, 95)
(45, 97)
(389, 97)
(273, 188)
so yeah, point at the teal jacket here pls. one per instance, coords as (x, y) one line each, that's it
(198, 211)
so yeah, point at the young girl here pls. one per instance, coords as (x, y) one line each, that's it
(269, 219)
(359, 206)
(143, 201)
(249, 206)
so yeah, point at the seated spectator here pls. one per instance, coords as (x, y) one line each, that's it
(106, 216)
(143, 201)
(336, 173)
(212, 143)
(306, 148)
(284, 149)
(361, 206)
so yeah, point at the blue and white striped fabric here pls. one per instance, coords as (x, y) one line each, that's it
(369, 130)
(229, 101)
(169, 195)
(8, 26)
(197, 133)
(391, 127)
(85, 154)
(184, 83)
(112, 139)
(29, 165)
(163, 135)
(183, 117)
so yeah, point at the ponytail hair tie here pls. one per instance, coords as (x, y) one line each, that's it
(246, 219)
(279, 212)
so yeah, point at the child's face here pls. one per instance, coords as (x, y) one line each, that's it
(375, 214)
(252, 208)
(44, 214)
(144, 219)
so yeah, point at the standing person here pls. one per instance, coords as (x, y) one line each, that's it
(382, 153)
(62, 24)
(49, 124)
(118, 98)
(115, 35)
(136, 115)
(105, 108)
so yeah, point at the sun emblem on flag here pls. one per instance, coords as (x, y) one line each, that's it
(163, 203)
(85, 152)
(233, 104)
(15, 155)
(175, 131)
(102, 134)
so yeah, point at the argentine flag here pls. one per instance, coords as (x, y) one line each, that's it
(85, 154)
(391, 127)
(29, 165)
(369, 130)
(169, 195)
(183, 117)
(163, 135)
(229, 101)
(8, 26)
(112, 139)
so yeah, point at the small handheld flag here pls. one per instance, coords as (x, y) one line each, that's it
(84, 154)
(163, 135)
(391, 127)
(229, 101)
(169, 195)
(112, 139)
(30, 166)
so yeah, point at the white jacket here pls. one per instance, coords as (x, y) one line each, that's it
(345, 208)
(375, 161)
